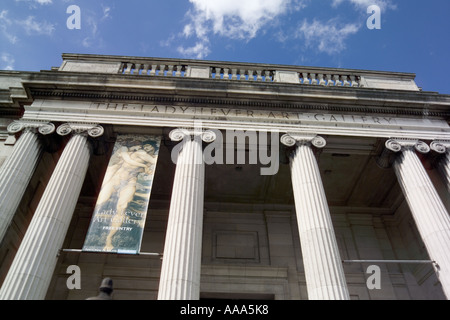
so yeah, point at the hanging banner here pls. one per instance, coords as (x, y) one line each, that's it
(117, 224)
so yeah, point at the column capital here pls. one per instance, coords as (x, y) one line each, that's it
(91, 129)
(291, 139)
(43, 127)
(399, 144)
(440, 146)
(394, 146)
(180, 133)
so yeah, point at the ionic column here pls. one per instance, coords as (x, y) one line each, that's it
(181, 266)
(16, 172)
(31, 271)
(428, 210)
(443, 162)
(324, 273)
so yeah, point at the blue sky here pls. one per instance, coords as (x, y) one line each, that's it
(414, 35)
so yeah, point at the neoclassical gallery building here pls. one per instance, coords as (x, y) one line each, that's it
(186, 179)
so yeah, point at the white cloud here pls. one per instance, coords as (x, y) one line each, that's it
(328, 37)
(199, 51)
(7, 61)
(364, 4)
(238, 19)
(8, 27)
(34, 3)
(32, 26)
(106, 12)
(235, 19)
(5, 23)
(246, 19)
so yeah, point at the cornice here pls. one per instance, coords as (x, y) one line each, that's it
(239, 103)
(171, 90)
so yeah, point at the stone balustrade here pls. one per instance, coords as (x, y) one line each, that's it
(234, 71)
(239, 72)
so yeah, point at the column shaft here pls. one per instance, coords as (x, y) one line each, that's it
(181, 267)
(324, 273)
(441, 150)
(31, 271)
(444, 168)
(15, 175)
(428, 210)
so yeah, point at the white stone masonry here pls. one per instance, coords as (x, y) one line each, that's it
(325, 278)
(31, 271)
(428, 210)
(16, 172)
(181, 267)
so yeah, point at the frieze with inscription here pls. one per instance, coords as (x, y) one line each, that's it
(226, 113)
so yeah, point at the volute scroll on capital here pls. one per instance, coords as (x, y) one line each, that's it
(440, 146)
(397, 145)
(93, 130)
(44, 128)
(179, 134)
(292, 139)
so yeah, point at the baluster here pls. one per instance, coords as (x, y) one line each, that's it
(162, 68)
(177, 71)
(305, 79)
(137, 68)
(170, 70)
(258, 75)
(345, 81)
(123, 68)
(242, 74)
(322, 80)
(145, 69)
(153, 70)
(337, 81)
(251, 75)
(330, 79)
(227, 73)
(354, 81)
(234, 74)
(129, 68)
(217, 72)
(314, 78)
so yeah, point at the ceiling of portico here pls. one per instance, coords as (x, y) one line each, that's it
(350, 175)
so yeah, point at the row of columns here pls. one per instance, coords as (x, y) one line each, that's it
(30, 274)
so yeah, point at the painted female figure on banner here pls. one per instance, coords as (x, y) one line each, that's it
(122, 204)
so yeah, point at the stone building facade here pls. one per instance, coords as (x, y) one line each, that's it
(321, 183)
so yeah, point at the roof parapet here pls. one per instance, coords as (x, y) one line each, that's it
(233, 71)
